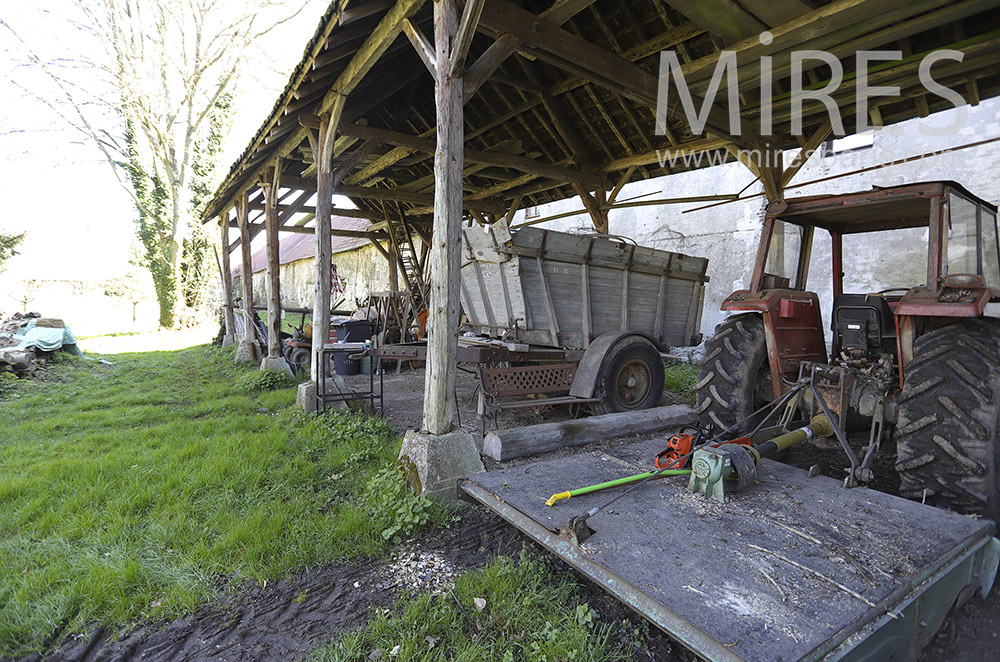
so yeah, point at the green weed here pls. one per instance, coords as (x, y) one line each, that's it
(128, 491)
(526, 611)
(681, 378)
(263, 380)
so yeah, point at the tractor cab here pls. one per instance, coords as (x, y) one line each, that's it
(901, 258)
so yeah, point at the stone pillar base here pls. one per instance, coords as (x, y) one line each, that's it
(228, 339)
(306, 395)
(434, 463)
(244, 351)
(277, 363)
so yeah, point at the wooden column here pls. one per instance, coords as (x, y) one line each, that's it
(242, 218)
(445, 257)
(322, 145)
(270, 188)
(227, 280)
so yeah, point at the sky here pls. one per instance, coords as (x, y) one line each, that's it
(61, 191)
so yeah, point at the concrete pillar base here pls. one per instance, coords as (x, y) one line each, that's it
(277, 363)
(306, 395)
(434, 463)
(228, 339)
(244, 351)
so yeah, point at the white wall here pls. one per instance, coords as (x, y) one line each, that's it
(727, 235)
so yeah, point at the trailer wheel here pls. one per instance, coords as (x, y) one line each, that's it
(632, 377)
(734, 378)
(947, 452)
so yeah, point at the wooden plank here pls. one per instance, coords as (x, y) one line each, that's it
(420, 44)
(466, 31)
(369, 52)
(507, 44)
(723, 18)
(499, 159)
(504, 445)
(575, 54)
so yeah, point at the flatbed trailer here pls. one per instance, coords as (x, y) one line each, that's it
(793, 568)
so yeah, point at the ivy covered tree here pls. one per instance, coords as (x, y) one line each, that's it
(165, 72)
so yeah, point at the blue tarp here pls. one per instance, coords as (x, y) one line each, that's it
(47, 339)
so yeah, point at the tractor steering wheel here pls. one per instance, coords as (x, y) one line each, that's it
(894, 289)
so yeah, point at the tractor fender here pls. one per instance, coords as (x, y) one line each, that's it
(588, 372)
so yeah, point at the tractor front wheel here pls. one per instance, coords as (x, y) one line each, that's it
(734, 378)
(947, 452)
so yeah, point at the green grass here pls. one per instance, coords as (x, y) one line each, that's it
(681, 378)
(531, 612)
(128, 491)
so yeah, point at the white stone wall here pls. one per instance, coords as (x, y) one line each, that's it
(364, 270)
(728, 234)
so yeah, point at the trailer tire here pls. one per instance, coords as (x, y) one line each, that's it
(734, 378)
(632, 377)
(947, 451)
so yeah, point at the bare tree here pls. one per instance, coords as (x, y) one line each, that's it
(155, 100)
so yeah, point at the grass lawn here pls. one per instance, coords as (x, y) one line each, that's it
(128, 491)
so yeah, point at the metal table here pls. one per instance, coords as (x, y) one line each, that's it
(327, 389)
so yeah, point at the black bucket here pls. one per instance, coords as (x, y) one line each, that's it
(344, 365)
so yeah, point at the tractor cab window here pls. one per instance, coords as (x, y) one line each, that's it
(885, 260)
(971, 240)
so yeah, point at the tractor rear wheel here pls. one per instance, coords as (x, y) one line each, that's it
(734, 378)
(632, 377)
(947, 452)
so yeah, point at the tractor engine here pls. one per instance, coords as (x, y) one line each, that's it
(862, 381)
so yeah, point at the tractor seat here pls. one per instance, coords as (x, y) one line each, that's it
(863, 321)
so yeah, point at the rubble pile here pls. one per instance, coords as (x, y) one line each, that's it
(27, 339)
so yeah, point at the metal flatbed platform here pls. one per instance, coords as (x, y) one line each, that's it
(794, 568)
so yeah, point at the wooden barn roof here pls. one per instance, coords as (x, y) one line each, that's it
(572, 109)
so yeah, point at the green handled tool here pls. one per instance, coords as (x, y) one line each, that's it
(628, 480)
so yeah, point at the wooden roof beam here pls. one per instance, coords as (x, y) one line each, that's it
(394, 195)
(513, 161)
(576, 55)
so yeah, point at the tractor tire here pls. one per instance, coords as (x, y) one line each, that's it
(947, 452)
(300, 359)
(734, 378)
(631, 378)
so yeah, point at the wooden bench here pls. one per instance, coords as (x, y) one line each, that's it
(552, 379)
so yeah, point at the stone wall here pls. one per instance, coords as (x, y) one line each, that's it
(364, 270)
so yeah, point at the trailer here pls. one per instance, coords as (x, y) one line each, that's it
(794, 567)
(580, 319)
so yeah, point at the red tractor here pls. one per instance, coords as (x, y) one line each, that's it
(912, 350)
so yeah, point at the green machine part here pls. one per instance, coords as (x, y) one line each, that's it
(718, 471)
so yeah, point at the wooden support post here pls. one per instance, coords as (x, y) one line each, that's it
(322, 145)
(242, 217)
(442, 345)
(227, 282)
(270, 188)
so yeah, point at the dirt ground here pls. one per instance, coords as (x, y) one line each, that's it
(289, 618)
